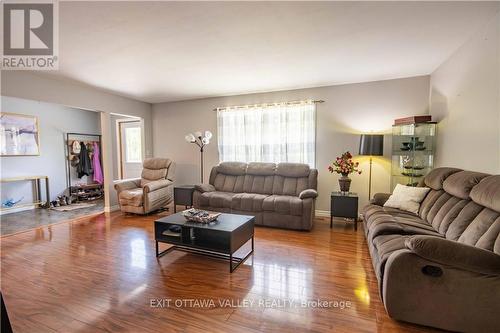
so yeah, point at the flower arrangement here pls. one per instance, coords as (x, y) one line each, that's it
(344, 165)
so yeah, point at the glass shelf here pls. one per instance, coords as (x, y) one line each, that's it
(413, 149)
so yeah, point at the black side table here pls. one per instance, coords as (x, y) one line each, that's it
(344, 205)
(183, 195)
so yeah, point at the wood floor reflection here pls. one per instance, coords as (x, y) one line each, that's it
(101, 275)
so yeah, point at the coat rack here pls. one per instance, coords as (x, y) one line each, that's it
(90, 188)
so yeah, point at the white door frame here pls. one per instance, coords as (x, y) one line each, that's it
(119, 141)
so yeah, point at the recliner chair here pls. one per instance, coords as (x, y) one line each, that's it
(154, 190)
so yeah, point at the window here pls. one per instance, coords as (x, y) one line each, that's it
(133, 145)
(270, 133)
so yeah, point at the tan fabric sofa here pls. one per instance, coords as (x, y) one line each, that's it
(278, 195)
(441, 267)
(154, 190)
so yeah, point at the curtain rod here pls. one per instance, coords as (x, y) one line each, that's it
(266, 104)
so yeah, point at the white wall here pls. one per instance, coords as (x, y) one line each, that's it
(39, 87)
(465, 99)
(348, 111)
(54, 121)
(114, 144)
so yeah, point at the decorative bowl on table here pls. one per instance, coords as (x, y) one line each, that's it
(200, 216)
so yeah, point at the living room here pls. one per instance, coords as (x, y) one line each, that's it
(288, 125)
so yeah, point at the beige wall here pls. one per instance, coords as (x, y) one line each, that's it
(465, 93)
(33, 86)
(348, 111)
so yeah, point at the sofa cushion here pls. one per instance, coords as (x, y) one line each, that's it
(390, 221)
(461, 183)
(149, 175)
(384, 246)
(133, 197)
(436, 177)
(248, 202)
(154, 169)
(487, 193)
(399, 226)
(292, 170)
(232, 168)
(372, 209)
(290, 185)
(283, 204)
(465, 217)
(216, 199)
(156, 163)
(261, 169)
(483, 231)
(258, 184)
(228, 183)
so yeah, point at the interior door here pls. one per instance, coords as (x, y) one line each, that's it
(131, 149)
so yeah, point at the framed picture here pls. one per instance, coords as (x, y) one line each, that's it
(19, 135)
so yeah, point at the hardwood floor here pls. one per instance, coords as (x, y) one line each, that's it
(101, 275)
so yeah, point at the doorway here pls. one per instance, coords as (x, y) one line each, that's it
(130, 148)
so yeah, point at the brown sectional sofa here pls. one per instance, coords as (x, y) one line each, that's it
(278, 195)
(441, 268)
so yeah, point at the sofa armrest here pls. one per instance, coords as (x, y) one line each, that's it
(309, 193)
(127, 184)
(379, 199)
(204, 188)
(455, 254)
(156, 185)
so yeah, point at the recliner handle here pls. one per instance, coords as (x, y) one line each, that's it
(433, 271)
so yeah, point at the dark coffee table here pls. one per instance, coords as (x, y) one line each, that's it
(219, 239)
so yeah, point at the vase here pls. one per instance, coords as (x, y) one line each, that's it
(344, 183)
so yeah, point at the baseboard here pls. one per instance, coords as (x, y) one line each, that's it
(16, 210)
(326, 213)
(319, 213)
(322, 213)
(112, 208)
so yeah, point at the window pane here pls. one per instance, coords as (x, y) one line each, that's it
(278, 133)
(133, 145)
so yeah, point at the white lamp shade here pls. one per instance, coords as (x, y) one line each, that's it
(197, 134)
(190, 138)
(205, 141)
(208, 135)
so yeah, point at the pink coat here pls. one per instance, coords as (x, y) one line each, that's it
(96, 163)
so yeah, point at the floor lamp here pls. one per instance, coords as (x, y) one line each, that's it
(371, 145)
(201, 140)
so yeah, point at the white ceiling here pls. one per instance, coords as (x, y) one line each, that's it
(167, 51)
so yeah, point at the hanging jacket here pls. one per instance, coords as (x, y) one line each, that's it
(96, 163)
(84, 167)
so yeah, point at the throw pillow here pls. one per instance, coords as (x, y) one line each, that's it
(407, 198)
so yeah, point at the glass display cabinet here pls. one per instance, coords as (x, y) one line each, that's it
(413, 149)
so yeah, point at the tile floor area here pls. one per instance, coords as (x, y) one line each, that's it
(21, 221)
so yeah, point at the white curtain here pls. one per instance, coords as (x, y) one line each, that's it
(276, 133)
